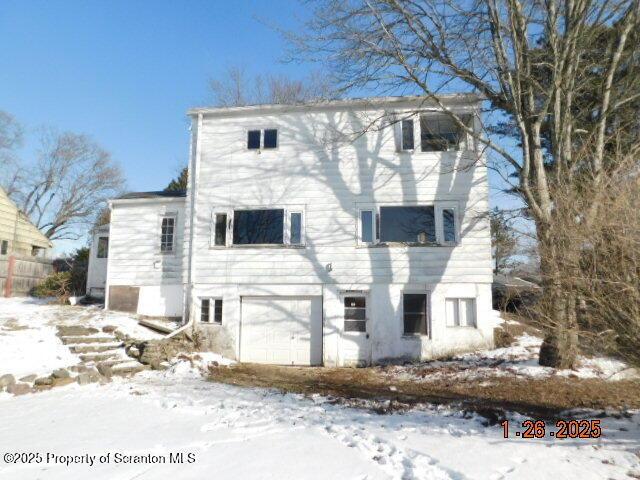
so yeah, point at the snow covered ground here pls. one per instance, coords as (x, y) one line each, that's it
(227, 432)
(239, 433)
(28, 341)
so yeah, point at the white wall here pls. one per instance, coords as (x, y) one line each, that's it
(135, 258)
(97, 271)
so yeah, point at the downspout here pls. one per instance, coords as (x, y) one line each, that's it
(193, 168)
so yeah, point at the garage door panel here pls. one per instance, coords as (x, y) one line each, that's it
(281, 330)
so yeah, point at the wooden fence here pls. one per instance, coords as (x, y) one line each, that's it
(20, 273)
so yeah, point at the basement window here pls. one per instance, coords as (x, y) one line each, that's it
(258, 227)
(413, 225)
(461, 312)
(211, 310)
(103, 247)
(167, 234)
(414, 312)
(355, 314)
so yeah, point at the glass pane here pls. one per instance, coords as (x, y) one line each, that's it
(415, 302)
(359, 302)
(407, 224)
(468, 312)
(296, 228)
(438, 135)
(407, 135)
(103, 247)
(270, 138)
(415, 323)
(449, 225)
(204, 310)
(253, 139)
(355, 326)
(258, 227)
(355, 314)
(452, 312)
(366, 226)
(221, 229)
(217, 313)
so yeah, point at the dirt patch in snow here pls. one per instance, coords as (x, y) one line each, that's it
(539, 397)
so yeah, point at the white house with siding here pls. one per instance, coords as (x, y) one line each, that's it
(336, 233)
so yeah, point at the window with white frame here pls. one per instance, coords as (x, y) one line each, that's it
(211, 310)
(167, 234)
(355, 314)
(461, 312)
(257, 226)
(415, 314)
(367, 230)
(440, 134)
(266, 139)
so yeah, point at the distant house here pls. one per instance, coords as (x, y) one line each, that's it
(299, 243)
(17, 234)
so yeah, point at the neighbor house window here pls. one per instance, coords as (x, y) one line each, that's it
(355, 314)
(296, 228)
(167, 234)
(366, 226)
(461, 312)
(415, 224)
(103, 247)
(414, 311)
(211, 310)
(220, 229)
(4, 247)
(266, 139)
(439, 134)
(406, 129)
(255, 227)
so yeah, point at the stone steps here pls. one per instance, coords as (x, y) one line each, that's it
(94, 348)
(98, 357)
(85, 340)
(128, 368)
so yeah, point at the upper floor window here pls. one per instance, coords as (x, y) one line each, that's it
(440, 134)
(262, 139)
(259, 226)
(167, 234)
(103, 247)
(4, 247)
(406, 137)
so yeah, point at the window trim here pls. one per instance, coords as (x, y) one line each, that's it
(429, 328)
(458, 300)
(401, 133)
(174, 248)
(286, 234)
(102, 237)
(261, 148)
(365, 295)
(438, 207)
(212, 311)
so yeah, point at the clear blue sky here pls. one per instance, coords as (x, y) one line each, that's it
(125, 72)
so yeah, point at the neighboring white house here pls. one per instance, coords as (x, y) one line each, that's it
(337, 233)
(98, 257)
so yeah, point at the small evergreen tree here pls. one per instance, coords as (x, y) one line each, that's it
(180, 182)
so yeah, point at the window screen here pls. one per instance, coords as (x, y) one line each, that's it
(251, 227)
(407, 134)
(355, 314)
(296, 228)
(407, 224)
(415, 313)
(167, 234)
(366, 226)
(253, 139)
(449, 225)
(103, 247)
(270, 138)
(220, 233)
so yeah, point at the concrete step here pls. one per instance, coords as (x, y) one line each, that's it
(128, 368)
(75, 330)
(112, 362)
(94, 348)
(99, 357)
(85, 340)
(158, 325)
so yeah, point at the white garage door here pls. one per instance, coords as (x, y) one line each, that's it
(281, 330)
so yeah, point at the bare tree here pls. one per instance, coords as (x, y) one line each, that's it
(504, 240)
(68, 184)
(11, 133)
(527, 59)
(237, 88)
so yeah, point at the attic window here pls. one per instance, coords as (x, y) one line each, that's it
(266, 139)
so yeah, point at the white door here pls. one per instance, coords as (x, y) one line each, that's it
(281, 330)
(356, 328)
